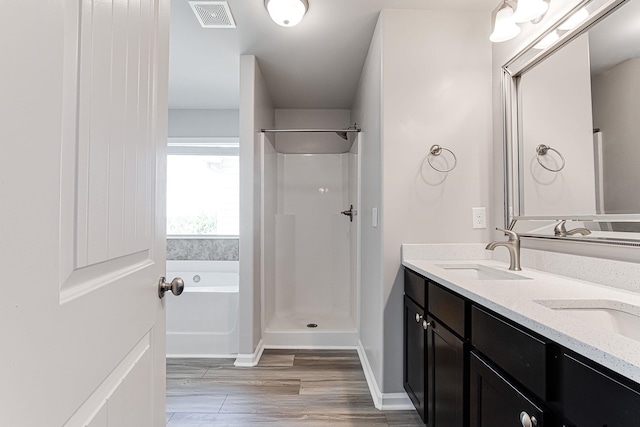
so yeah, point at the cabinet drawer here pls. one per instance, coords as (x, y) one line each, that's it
(515, 351)
(448, 308)
(592, 398)
(415, 287)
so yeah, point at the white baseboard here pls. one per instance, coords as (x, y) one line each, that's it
(383, 401)
(250, 360)
(310, 347)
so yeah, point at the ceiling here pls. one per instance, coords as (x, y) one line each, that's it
(316, 64)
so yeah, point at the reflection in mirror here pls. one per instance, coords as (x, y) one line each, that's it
(614, 47)
(586, 230)
(581, 104)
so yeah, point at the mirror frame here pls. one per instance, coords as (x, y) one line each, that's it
(511, 71)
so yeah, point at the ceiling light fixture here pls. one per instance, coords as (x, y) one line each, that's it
(286, 13)
(504, 27)
(512, 12)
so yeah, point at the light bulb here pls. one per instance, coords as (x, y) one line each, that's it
(528, 10)
(504, 27)
(287, 13)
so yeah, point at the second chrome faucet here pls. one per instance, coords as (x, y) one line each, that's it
(513, 245)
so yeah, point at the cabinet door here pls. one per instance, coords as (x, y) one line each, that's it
(445, 377)
(414, 347)
(495, 402)
(595, 399)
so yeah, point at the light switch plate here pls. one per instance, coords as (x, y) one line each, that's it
(374, 217)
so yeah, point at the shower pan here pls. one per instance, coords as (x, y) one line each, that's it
(309, 249)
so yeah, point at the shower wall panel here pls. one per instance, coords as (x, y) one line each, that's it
(313, 245)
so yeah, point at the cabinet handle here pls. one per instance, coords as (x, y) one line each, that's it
(418, 317)
(527, 421)
(426, 325)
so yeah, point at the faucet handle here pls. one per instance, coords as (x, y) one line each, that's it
(560, 229)
(513, 236)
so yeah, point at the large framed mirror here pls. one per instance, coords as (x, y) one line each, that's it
(572, 128)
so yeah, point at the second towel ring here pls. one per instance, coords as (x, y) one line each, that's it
(436, 150)
(542, 150)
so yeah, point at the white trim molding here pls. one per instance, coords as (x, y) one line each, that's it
(250, 360)
(383, 401)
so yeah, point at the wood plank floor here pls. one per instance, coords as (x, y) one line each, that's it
(287, 388)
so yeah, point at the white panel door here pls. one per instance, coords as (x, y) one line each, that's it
(83, 105)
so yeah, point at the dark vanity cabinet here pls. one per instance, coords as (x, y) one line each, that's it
(414, 354)
(445, 376)
(465, 365)
(510, 373)
(593, 396)
(415, 340)
(435, 352)
(495, 401)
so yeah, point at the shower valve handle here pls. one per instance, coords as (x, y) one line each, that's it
(350, 213)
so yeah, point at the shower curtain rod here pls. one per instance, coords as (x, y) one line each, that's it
(309, 130)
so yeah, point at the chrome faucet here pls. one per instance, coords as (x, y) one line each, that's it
(513, 245)
(561, 230)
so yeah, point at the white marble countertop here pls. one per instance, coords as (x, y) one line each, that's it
(516, 300)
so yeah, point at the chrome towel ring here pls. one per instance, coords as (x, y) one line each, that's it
(435, 151)
(542, 150)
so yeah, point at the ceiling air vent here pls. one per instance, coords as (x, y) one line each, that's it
(213, 14)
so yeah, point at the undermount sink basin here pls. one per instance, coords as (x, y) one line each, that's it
(481, 272)
(607, 315)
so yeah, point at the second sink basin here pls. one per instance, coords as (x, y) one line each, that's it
(610, 316)
(481, 272)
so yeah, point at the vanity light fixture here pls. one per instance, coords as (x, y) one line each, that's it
(548, 40)
(504, 27)
(529, 10)
(512, 12)
(286, 13)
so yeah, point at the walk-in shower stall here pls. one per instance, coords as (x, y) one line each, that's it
(309, 226)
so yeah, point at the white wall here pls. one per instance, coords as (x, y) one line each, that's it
(203, 123)
(556, 103)
(616, 103)
(367, 111)
(434, 86)
(256, 112)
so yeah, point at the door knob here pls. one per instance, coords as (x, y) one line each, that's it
(418, 317)
(176, 286)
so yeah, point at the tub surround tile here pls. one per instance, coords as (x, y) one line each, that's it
(203, 249)
(517, 300)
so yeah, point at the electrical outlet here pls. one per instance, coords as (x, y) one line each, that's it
(479, 217)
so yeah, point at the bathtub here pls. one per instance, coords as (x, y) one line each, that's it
(203, 321)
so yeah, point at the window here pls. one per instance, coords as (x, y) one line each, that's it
(203, 187)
